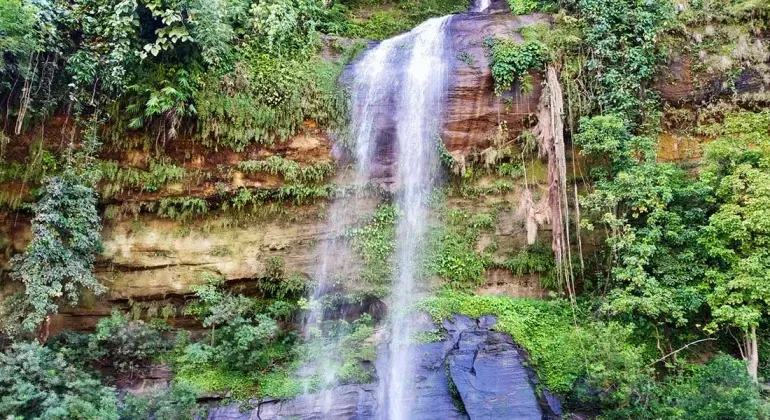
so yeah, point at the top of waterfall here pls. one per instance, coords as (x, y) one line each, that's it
(481, 5)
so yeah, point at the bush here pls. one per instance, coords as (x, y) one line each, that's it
(511, 61)
(37, 382)
(125, 346)
(177, 403)
(720, 389)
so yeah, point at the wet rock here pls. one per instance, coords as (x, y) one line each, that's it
(487, 370)
(355, 402)
(487, 321)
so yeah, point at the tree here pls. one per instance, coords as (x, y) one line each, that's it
(653, 213)
(737, 237)
(38, 383)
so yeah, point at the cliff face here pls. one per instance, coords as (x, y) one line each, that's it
(149, 256)
(473, 111)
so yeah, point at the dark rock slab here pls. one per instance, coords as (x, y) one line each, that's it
(354, 402)
(487, 370)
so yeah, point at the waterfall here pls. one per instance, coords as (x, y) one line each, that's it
(397, 92)
(418, 111)
(369, 89)
(481, 5)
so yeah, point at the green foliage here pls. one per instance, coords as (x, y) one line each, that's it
(285, 27)
(608, 139)
(267, 99)
(283, 287)
(447, 160)
(451, 251)
(510, 61)
(296, 194)
(654, 212)
(522, 7)
(720, 389)
(116, 179)
(534, 259)
(38, 383)
(375, 243)
(18, 27)
(624, 56)
(244, 343)
(211, 27)
(182, 208)
(167, 98)
(344, 347)
(290, 170)
(499, 186)
(738, 235)
(177, 403)
(380, 21)
(60, 257)
(123, 346)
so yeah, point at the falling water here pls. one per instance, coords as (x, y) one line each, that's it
(371, 88)
(397, 92)
(481, 5)
(419, 112)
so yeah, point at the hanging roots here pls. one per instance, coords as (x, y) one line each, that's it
(534, 214)
(550, 134)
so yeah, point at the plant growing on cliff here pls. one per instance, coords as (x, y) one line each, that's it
(624, 57)
(375, 242)
(451, 251)
(124, 346)
(511, 61)
(59, 260)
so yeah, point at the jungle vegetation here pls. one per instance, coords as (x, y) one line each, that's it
(665, 317)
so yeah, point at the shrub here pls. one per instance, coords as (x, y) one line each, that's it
(59, 258)
(176, 403)
(37, 382)
(511, 61)
(124, 346)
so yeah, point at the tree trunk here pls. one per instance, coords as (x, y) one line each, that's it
(752, 353)
(44, 330)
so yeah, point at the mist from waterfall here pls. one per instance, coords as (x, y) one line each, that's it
(369, 90)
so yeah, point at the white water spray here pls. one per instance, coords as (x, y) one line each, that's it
(481, 5)
(397, 93)
(418, 116)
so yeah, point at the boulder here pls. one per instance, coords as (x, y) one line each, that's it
(487, 370)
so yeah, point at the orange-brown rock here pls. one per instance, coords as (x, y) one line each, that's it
(473, 111)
